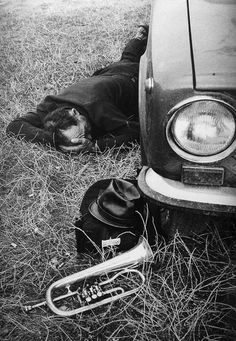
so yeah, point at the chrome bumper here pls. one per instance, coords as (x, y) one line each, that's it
(174, 193)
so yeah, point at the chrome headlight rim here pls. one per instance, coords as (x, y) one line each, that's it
(191, 157)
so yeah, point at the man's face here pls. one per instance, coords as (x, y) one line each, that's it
(76, 134)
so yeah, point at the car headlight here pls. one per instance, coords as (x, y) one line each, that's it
(202, 128)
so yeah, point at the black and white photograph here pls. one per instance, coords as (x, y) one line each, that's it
(118, 170)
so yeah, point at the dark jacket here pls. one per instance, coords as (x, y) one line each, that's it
(109, 99)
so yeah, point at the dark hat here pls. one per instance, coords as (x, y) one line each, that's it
(117, 205)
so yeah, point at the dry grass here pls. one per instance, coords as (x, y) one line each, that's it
(44, 48)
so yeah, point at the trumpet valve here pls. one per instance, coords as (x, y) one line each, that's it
(91, 292)
(67, 286)
(97, 291)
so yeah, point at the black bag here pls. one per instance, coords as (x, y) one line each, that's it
(93, 234)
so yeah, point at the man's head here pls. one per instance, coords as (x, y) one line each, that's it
(68, 126)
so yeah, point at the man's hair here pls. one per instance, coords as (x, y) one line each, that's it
(59, 119)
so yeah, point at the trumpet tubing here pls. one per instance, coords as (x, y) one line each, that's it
(90, 296)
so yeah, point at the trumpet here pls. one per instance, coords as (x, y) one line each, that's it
(90, 296)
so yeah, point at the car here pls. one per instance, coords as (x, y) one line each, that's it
(187, 108)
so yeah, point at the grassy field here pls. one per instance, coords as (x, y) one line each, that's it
(45, 46)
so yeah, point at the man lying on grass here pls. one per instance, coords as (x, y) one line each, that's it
(96, 113)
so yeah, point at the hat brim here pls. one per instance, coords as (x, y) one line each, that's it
(93, 209)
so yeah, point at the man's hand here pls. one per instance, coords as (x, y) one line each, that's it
(79, 145)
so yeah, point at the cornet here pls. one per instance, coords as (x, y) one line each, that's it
(90, 296)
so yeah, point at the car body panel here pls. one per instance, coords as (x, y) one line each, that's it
(172, 65)
(213, 27)
(168, 76)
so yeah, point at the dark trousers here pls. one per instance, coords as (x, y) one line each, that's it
(129, 62)
(133, 50)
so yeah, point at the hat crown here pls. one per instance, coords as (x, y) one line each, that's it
(117, 204)
(119, 199)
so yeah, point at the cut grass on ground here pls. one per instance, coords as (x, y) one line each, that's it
(45, 47)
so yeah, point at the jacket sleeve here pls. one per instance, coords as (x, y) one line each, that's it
(124, 136)
(30, 128)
